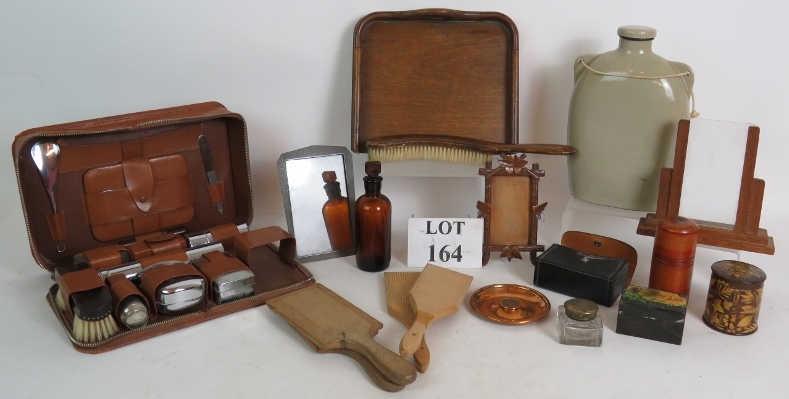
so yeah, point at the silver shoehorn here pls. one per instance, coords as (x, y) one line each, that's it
(46, 155)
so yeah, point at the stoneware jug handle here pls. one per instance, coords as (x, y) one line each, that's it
(580, 68)
(682, 67)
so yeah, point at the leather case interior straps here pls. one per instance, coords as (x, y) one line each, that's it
(138, 196)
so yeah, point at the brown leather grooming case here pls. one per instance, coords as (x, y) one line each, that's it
(131, 188)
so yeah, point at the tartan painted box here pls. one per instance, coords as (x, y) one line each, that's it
(652, 314)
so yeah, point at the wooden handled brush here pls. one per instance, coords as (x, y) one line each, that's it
(397, 286)
(436, 294)
(452, 149)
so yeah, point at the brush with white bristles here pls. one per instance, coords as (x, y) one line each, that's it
(451, 149)
(93, 321)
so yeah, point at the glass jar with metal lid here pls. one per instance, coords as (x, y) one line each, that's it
(580, 324)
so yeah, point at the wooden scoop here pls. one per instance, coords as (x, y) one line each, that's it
(436, 294)
(397, 286)
(332, 323)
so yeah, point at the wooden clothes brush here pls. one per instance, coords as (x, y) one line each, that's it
(452, 149)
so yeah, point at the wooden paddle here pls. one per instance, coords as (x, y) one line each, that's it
(436, 294)
(332, 323)
(372, 372)
(397, 286)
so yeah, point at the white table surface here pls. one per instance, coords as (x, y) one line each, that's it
(254, 353)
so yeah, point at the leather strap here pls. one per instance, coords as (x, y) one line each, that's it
(247, 245)
(120, 289)
(226, 234)
(216, 264)
(217, 193)
(166, 243)
(78, 281)
(179, 256)
(57, 225)
(104, 257)
(139, 181)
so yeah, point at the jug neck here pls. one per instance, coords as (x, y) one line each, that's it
(630, 46)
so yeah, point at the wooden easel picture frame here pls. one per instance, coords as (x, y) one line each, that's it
(745, 233)
(510, 209)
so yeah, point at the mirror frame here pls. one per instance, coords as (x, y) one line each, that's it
(317, 151)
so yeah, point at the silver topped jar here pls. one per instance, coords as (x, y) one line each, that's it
(624, 113)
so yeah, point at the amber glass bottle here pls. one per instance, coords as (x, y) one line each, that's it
(336, 214)
(373, 223)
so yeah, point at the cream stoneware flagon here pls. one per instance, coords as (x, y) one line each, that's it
(624, 112)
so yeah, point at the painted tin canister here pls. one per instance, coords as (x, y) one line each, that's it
(673, 255)
(734, 297)
(624, 113)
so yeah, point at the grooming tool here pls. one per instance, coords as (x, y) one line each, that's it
(334, 323)
(397, 286)
(368, 367)
(46, 155)
(452, 149)
(172, 296)
(134, 270)
(205, 237)
(179, 294)
(436, 294)
(132, 313)
(229, 277)
(233, 285)
(92, 308)
(205, 153)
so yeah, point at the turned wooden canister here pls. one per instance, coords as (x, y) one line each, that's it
(734, 297)
(673, 255)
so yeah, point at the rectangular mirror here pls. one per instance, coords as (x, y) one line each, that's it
(317, 190)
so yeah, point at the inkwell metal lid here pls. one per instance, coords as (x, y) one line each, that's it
(510, 303)
(580, 309)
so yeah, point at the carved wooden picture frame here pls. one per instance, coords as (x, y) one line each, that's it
(510, 209)
(745, 233)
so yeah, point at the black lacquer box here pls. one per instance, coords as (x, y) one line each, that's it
(581, 275)
(652, 314)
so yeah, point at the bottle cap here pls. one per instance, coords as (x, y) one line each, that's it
(580, 309)
(329, 176)
(133, 313)
(372, 168)
(636, 32)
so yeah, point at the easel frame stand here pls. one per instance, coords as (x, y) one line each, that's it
(745, 234)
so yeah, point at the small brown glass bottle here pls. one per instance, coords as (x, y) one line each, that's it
(373, 223)
(336, 214)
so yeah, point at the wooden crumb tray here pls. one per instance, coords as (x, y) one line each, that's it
(435, 72)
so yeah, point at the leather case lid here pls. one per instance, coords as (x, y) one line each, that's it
(581, 275)
(435, 72)
(112, 140)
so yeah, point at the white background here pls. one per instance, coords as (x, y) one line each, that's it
(286, 66)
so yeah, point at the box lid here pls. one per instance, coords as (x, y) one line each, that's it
(582, 262)
(435, 72)
(97, 143)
